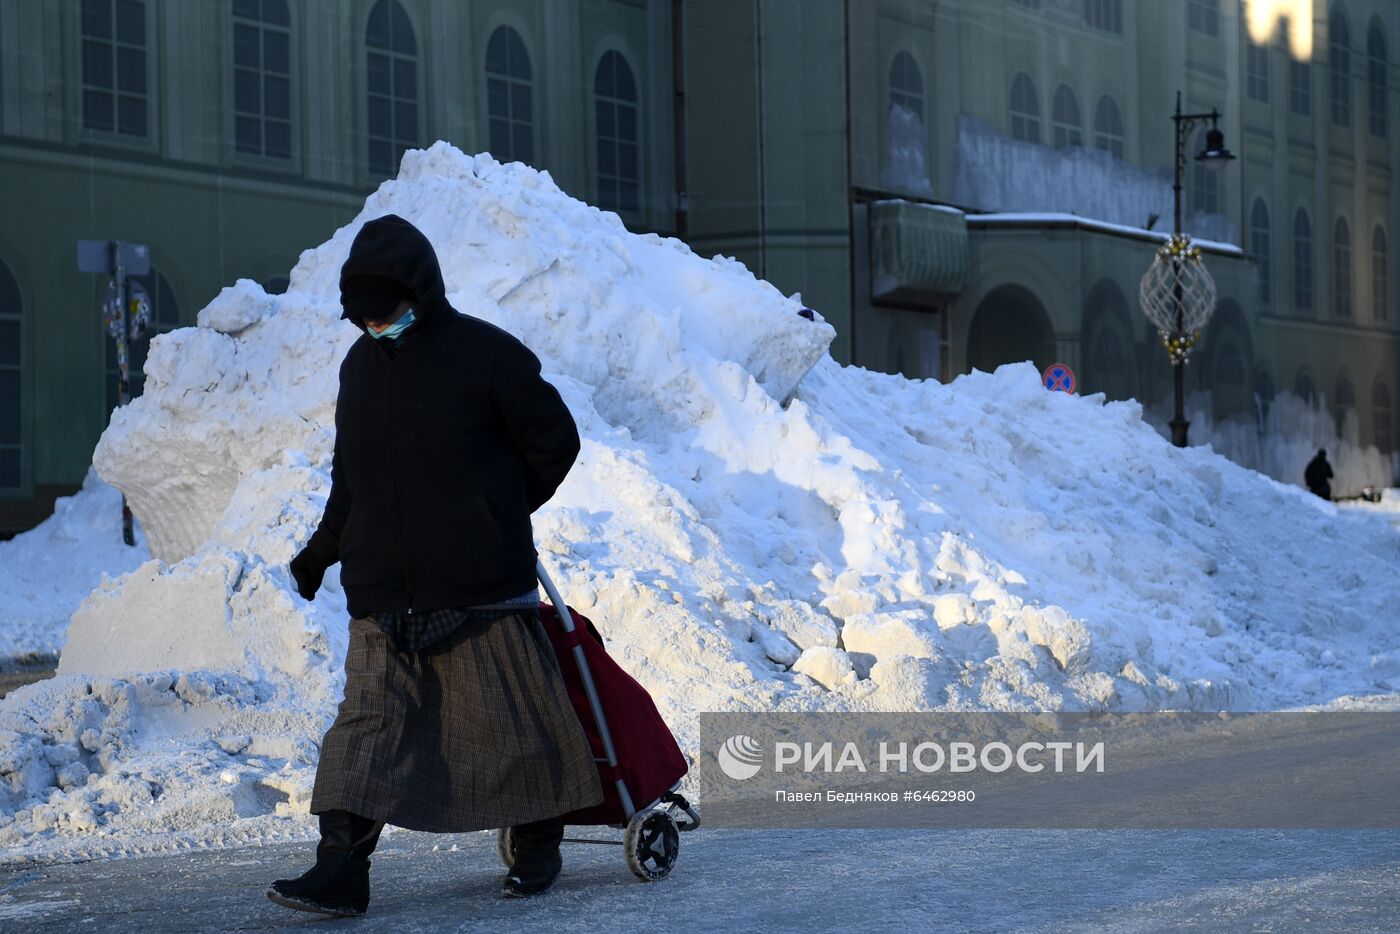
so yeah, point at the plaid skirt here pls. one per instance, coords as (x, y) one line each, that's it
(473, 732)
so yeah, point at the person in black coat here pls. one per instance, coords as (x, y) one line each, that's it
(1318, 475)
(455, 716)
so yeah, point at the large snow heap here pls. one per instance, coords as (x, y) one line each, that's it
(874, 543)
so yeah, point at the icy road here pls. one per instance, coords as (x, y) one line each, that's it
(774, 881)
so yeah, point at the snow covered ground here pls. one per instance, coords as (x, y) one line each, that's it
(874, 543)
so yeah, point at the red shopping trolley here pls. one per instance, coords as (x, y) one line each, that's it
(638, 758)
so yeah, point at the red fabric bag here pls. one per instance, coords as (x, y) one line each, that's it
(648, 757)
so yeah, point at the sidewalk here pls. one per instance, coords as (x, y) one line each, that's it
(775, 881)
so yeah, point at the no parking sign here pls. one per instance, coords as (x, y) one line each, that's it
(1058, 377)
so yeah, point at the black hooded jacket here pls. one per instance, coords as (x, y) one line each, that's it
(444, 445)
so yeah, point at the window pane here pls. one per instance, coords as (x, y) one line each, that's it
(276, 52)
(500, 142)
(379, 116)
(603, 76)
(131, 70)
(248, 9)
(277, 97)
(9, 406)
(97, 110)
(405, 78)
(97, 18)
(627, 123)
(607, 193)
(9, 343)
(97, 64)
(245, 92)
(628, 200)
(279, 138)
(276, 12)
(247, 133)
(520, 101)
(522, 145)
(627, 160)
(606, 126)
(496, 97)
(406, 122)
(377, 29)
(626, 89)
(381, 159)
(607, 157)
(131, 115)
(9, 468)
(131, 22)
(245, 46)
(377, 74)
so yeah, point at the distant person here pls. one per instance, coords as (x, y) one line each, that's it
(1318, 475)
(455, 714)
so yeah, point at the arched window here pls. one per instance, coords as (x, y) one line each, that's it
(1257, 71)
(907, 84)
(1204, 16)
(1205, 183)
(1108, 127)
(1339, 65)
(1302, 261)
(615, 113)
(1344, 401)
(1381, 418)
(1064, 119)
(262, 78)
(1341, 266)
(12, 363)
(1377, 98)
(115, 98)
(1104, 14)
(1025, 109)
(1259, 245)
(391, 80)
(165, 316)
(510, 110)
(1380, 275)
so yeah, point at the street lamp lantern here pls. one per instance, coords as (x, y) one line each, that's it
(1177, 293)
(1215, 156)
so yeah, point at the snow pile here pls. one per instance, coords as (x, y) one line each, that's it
(47, 571)
(877, 543)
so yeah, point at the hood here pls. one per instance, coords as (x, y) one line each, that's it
(391, 247)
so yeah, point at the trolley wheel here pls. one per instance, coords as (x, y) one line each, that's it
(651, 844)
(505, 847)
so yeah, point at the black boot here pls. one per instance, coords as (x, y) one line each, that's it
(537, 859)
(339, 882)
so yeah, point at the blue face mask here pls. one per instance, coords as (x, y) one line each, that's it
(395, 329)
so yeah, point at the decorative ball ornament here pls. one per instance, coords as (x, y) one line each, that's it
(1178, 266)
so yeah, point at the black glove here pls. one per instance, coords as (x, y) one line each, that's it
(309, 568)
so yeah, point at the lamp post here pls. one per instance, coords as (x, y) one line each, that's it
(1177, 293)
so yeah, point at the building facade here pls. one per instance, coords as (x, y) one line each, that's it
(229, 135)
(1008, 177)
(952, 183)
